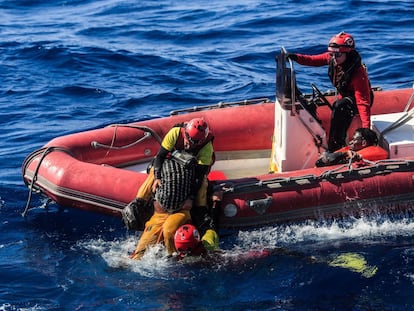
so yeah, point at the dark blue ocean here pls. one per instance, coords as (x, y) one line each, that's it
(72, 65)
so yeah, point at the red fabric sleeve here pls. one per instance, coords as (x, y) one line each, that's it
(360, 86)
(314, 60)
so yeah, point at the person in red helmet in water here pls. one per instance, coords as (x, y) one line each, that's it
(183, 142)
(350, 78)
(187, 242)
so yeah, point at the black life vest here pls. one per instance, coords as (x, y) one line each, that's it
(340, 76)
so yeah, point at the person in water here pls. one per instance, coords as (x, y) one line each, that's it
(187, 242)
(363, 146)
(350, 78)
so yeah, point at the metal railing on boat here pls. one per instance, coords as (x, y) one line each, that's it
(222, 105)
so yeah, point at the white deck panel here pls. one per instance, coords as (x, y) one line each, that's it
(399, 141)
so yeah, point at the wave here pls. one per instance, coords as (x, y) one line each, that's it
(303, 240)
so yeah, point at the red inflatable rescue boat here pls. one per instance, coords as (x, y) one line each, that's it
(265, 155)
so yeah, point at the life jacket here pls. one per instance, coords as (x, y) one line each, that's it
(370, 153)
(373, 153)
(341, 76)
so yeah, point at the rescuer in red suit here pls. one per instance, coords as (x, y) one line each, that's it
(350, 78)
(363, 146)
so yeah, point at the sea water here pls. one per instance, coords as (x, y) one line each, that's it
(70, 65)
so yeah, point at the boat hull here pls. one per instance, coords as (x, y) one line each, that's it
(320, 193)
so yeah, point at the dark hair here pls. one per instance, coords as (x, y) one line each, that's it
(369, 135)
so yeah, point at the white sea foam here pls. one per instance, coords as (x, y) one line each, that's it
(155, 263)
(116, 254)
(355, 229)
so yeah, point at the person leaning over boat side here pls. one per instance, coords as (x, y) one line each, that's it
(363, 146)
(172, 206)
(195, 138)
(350, 78)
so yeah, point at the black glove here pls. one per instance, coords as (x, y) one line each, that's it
(331, 158)
(292, 56)
(201, 218)
(137, 213)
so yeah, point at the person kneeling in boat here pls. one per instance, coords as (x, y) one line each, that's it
(363, 146)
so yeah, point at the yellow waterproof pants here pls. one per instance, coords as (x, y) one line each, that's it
(201, 199)
(145, 191)
(161, 228)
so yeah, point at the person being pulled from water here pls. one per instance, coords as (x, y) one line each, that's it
(187, 242)
(350, 78)
(363, 146)
(195, 139)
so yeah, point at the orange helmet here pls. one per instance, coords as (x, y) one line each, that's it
(186, 239)
(196, 130)
(342, 43)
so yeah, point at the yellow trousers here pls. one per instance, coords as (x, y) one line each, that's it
(161, 228)
(145, 191)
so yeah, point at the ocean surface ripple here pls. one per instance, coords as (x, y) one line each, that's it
(71, 65)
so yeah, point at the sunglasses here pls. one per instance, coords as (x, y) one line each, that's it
(337, 54)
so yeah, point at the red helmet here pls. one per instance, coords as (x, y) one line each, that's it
(186, 238)
(196, 130)
(342, 42)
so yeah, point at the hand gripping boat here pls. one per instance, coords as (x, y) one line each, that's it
(265, 155)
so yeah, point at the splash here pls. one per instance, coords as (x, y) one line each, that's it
(154, 264)
(367, 230)
(309, 239)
